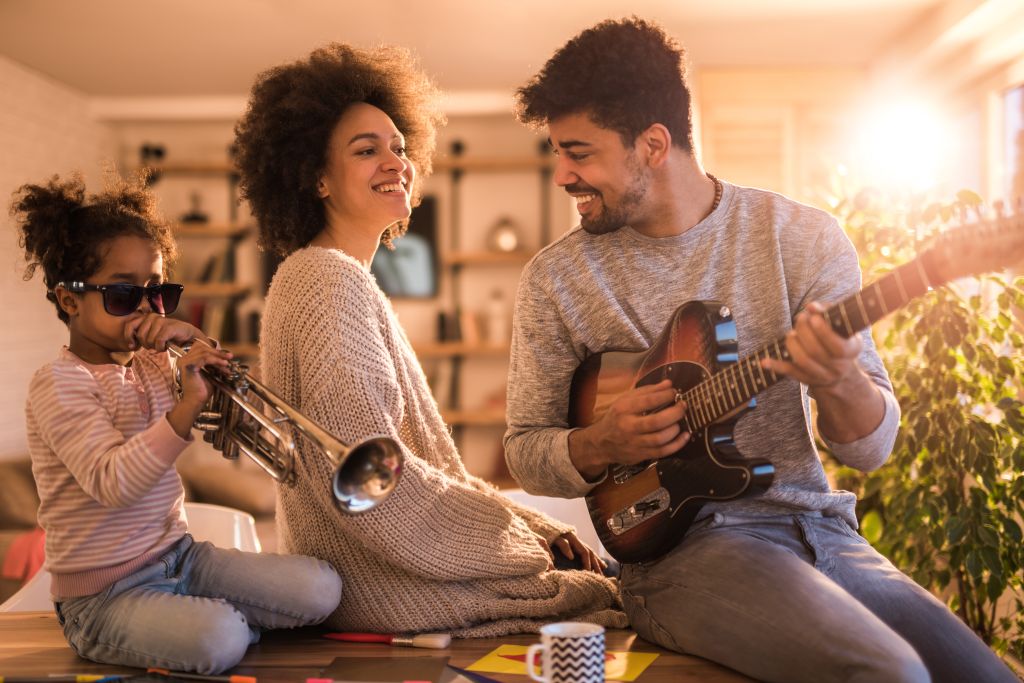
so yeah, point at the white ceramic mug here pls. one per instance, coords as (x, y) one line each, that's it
(571, 652)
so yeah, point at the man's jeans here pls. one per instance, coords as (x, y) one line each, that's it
(800, 598)
(198, 607)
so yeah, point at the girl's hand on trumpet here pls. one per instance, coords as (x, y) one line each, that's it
(195, 389)
(154, 331)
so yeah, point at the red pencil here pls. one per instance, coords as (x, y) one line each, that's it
(434, 641)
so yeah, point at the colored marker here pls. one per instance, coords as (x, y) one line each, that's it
(200, 677)
(62, 678)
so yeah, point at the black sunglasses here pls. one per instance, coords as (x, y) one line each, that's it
(124, 299)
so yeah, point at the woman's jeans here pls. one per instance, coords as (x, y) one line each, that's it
(800, 598)
(198, 607)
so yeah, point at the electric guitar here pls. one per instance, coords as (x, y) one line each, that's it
(642, 511)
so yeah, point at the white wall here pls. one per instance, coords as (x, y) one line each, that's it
(45, 128)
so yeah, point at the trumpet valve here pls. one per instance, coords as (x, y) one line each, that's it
(208, 421)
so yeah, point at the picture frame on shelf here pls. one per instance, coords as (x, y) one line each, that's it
(410, 269)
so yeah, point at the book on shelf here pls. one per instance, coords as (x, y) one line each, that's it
(441, 384)
(213, 321)
(196, 313)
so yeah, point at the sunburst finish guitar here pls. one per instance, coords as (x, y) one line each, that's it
(642, 511)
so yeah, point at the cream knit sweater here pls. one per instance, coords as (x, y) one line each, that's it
(446, 552)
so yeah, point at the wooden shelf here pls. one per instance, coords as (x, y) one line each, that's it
(486, 417)
(493, 165)
(487, 258)
(195, 168)
(211, 230)
(441, 165)
(214, 290)
(449, 349)
(246, 350)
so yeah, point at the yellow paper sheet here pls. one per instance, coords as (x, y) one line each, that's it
(511, 659)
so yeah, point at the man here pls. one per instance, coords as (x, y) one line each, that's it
(778, 586)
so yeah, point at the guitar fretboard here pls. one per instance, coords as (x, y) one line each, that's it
(736, 384)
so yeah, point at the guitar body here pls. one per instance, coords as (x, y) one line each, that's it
(642, 512)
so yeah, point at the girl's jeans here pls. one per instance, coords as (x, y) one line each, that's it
(198, 607)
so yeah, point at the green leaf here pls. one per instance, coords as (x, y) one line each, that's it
(995, 588)
(990, 556)
(988, 536)
(968, 198)
(872, 527)
(955, 530)
(1012, 531)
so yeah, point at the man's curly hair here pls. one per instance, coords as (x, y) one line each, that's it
(66, 233)
(626, 75)
(282, 140)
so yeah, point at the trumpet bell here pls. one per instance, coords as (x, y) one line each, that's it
(367, 475)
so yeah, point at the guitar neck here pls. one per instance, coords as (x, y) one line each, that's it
(736, 384)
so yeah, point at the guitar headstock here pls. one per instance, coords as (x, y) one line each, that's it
(979, 246)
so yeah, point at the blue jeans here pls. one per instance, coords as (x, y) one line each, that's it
(198, 607)
(800, 598)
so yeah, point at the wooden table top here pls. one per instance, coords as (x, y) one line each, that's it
(32, 644)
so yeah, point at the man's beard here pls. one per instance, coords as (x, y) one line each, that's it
(611, 218)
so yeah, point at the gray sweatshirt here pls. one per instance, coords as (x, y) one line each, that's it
(762, 255)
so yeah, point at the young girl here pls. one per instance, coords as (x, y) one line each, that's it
(130, 585)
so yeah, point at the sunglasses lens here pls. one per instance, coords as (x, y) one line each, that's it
(121, 299)
(164, 299)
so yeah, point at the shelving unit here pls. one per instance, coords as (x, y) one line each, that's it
(215, 300)
(453, 349)
(483, 363)
(212, 230)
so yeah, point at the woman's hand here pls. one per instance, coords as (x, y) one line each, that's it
(571, 546)
(547, 550)
(153, 331)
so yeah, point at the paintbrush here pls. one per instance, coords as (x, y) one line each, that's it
(434, 641)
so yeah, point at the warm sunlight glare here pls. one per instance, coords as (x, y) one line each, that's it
(901, 146)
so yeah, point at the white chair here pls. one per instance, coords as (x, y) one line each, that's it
(569, 510)
(223, 526)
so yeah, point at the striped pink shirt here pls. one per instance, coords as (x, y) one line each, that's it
(103, 458)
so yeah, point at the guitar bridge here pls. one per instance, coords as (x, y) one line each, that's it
(654, 503)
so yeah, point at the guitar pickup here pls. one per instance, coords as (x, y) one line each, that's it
(654, 503)
(623, 473)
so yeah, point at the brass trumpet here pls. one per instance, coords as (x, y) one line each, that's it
(244, 416)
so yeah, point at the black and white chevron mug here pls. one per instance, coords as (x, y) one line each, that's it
(571, 652)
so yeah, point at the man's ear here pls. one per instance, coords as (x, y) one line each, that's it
(655, 143)
(67, 301)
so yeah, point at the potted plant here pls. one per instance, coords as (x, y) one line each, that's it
(947, 507)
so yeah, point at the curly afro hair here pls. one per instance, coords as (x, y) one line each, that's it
(626, 75)
(282, 140)
(65, 233)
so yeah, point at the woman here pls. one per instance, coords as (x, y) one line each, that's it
(329, 150)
